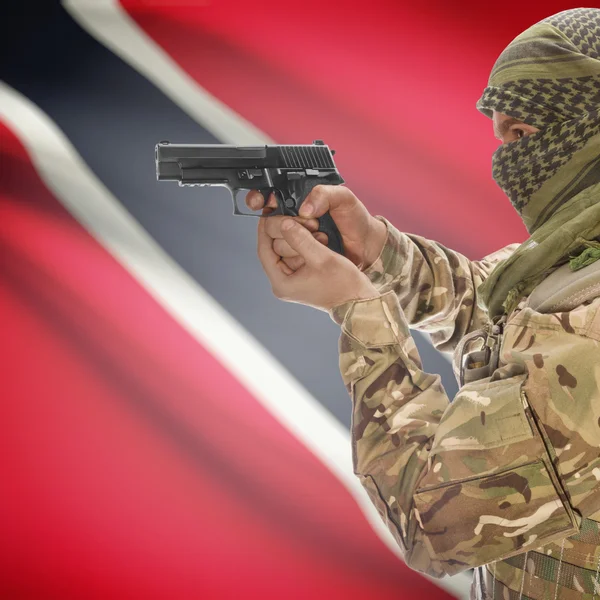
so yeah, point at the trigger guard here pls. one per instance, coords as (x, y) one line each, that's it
(282, 207)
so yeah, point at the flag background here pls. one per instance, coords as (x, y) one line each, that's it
(171, 430)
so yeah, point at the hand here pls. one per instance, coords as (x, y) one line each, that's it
(326, 278)
(363, 235)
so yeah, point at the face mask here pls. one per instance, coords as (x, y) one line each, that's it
(548, 77)
(541, 171)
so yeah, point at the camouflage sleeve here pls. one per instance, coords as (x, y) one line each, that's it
(436, 287)
(458, 484)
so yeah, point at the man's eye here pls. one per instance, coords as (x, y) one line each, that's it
(519, 133)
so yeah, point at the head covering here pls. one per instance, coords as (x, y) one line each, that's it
(548, 77)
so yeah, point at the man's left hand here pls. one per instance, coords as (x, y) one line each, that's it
(326, 278)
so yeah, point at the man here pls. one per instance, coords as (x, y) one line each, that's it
(507, 474)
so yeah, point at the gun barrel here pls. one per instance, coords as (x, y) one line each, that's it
(173, 159)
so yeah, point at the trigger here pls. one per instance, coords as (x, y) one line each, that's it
(268, 209)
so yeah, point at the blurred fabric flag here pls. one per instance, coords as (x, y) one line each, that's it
(170, 429)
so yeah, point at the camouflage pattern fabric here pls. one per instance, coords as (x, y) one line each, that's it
(548, 77)
(567, 570)
(538, 573)
(511, 465)
(404, 266)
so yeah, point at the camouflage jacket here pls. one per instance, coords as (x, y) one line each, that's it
(512, 463)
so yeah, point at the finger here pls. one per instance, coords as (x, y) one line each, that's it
(254, 200)
(273, 226)
(317, 202)
(325, 198)
(311, 224)
(267, 257)
(283, 249)
(272, 202)
(321, 237)
(302, 241)
(285, 267)
(294, 262)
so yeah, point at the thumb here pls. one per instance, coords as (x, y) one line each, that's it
(302, 241)
(326, 198)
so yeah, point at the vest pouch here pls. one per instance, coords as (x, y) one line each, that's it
(476, 365)
(490, 490)
(484, 414)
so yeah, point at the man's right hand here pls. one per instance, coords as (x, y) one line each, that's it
(363, 235)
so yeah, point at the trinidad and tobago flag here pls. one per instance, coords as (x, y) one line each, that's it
(169, 429)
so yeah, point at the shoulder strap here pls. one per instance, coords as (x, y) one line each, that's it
(564, 289)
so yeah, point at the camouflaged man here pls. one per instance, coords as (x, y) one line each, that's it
(504, 478)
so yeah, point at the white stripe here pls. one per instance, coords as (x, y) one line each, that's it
(110, 24)
(92, 204)
(304, 417)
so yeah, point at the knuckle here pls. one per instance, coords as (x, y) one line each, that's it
(311, 224)
(273, 227)
(319, 194)
(294, 262)
(322, 195)
(282, 248)
(349, 196)
(344, 195)
(302, 241)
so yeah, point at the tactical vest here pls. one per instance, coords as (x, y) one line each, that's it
(574, 563)
(569, 569)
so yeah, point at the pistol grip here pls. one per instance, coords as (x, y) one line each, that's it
(289, 206)
(327, 225)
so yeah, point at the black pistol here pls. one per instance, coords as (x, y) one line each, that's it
(289, 172)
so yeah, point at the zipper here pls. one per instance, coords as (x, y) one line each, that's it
(439, 486)
(524, 400)
(536, 426)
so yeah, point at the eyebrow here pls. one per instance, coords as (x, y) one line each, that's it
(505, 126)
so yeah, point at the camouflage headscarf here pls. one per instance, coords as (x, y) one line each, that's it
(548, 77)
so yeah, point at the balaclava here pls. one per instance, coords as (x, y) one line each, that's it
(548, 77)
